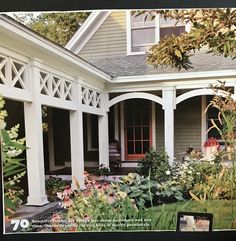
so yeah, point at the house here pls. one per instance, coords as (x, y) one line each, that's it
(99, 89)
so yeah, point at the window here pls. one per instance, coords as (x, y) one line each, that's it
(143, 31)
(169, 27)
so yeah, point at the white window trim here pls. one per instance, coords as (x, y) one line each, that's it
(89, 134)
(128, 34)
(157, 33)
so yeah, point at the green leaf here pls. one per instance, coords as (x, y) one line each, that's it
(178, 53)
(18, 146)
(5, 137)
(179, 197)
(13, 172)
(9, 203)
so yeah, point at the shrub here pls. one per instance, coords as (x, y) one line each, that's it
(156, 163)
(13, 168)
(169, 191)
(99, 207)
(138, 188)
(215, 187)
(102, 170)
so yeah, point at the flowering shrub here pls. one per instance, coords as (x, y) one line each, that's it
(217, 186)
(86, 209)
(13, 168)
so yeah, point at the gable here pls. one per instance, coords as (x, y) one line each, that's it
(109, 39)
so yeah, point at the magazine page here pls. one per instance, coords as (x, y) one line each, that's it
(118, 121)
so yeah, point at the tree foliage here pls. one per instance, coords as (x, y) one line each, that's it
(58, 27)
(211, 28)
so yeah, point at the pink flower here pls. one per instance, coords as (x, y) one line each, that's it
(67, 202)
(86, 218)
(111, 198)
(67, 191)
(55, 218)
(106, 185)
(98, 186)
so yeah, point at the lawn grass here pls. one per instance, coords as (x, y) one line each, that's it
(164, 217)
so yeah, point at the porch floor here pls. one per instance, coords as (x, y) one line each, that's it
(114, 170)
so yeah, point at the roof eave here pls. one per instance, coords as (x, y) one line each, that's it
(175, 76)
(86, 31)
(13, 26)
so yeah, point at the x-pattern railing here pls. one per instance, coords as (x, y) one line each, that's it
(55, 86)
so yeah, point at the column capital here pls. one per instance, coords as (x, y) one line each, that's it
(169, 98)
(105, 102)
(170, 88)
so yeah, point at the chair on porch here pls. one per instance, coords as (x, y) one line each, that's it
(114, 154)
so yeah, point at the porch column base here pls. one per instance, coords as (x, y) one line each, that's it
(37, 201)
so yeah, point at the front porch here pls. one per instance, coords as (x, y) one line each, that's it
(82, 99)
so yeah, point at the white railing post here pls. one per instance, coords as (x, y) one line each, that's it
(34, 142)
(77, 140)
(169, 105)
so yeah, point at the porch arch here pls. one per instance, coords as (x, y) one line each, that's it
(135, 95)
(199, 92)
(193, 93)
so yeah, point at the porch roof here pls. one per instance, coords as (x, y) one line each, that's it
(135, 65)
(18, 31)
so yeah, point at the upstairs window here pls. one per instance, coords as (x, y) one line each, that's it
(169, 27)
(143, 31)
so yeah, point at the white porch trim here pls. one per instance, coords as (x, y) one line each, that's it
(87, 30)
(169, 105)
(103, 135)
(175, 76)
(34, 142)
(193, 93)
(77, 142)
(135, 95)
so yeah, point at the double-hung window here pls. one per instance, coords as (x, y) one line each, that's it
(145, 30)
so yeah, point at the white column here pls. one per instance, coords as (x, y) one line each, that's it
(34, 142)
(122, 131)
(77, 140)
(103, 135)
(154, 144)
(169, 105)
